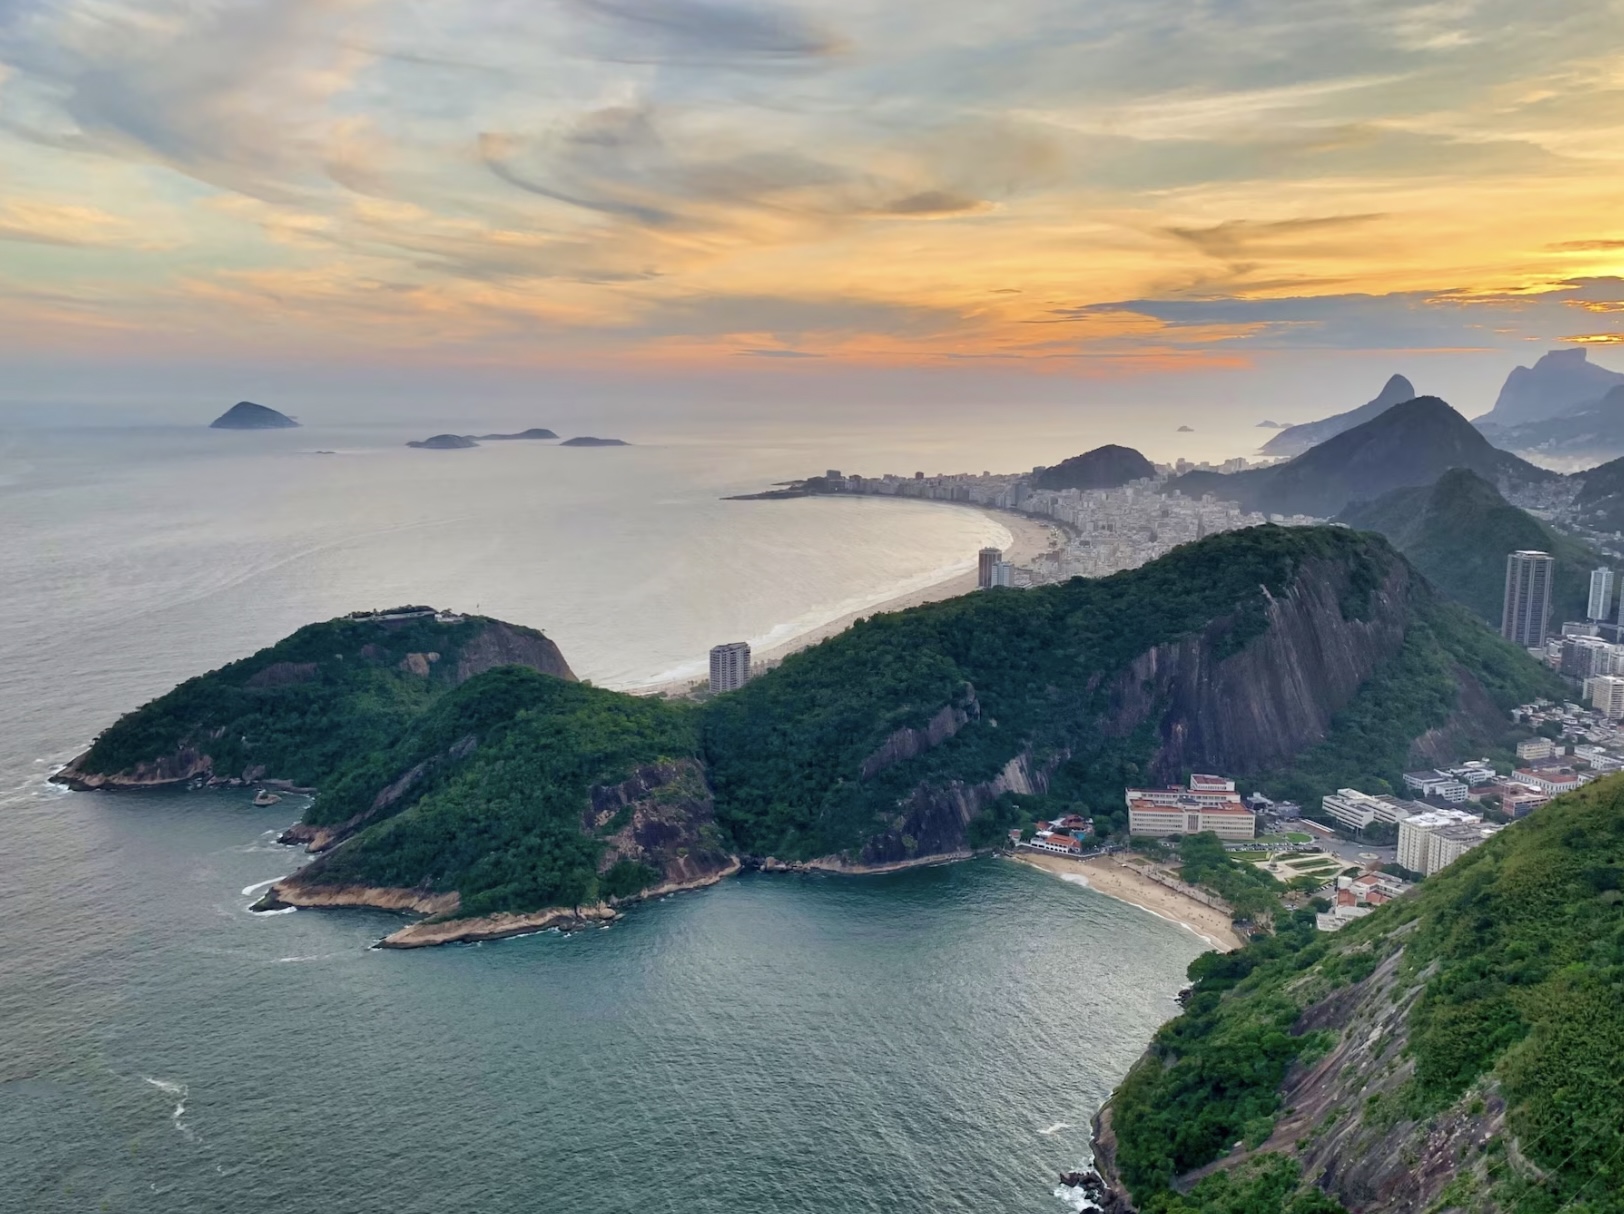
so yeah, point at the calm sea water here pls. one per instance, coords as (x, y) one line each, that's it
(929, 1041)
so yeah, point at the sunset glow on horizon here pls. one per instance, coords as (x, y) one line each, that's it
(1098, 189)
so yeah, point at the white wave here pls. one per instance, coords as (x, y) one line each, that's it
(1056, 1128)
(1076, 1200)
(249, 889)
(177, 1090)
(285, 910)
(310, 957)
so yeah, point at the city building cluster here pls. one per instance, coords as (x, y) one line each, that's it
(1356, 897)
(1107, 530)
(1210, 803)
(1064, 836)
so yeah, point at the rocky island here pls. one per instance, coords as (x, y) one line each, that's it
(246, 415)
(444, 442)
(589, 441)
(534, 433)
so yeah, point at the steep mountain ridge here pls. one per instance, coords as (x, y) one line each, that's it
(1251, 652)
(1454, 1051)
(298, 709)
(1412, 443)
(1560, 382)
(1294, 440)
(1457, 532)
(1589, 431)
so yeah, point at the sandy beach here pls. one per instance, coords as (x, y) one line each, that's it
(1114, 879)
(1030, 538)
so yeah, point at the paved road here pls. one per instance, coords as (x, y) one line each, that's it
(1359, 853)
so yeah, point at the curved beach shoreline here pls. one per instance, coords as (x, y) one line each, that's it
(1029, 538)
(1108, 876)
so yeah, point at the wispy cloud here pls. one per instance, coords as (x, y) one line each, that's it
(699, 32)
(1134, 182)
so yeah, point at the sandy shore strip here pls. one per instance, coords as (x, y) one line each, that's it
(1030, 538)
(1109, 876)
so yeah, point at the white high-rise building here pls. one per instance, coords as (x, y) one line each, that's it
(1526, 615)
(729, 666)
(1607, 696)
(1430, 841)
(1601, 594)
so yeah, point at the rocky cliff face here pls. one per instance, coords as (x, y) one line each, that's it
(907, 744)
(662, 816)
(1252, 710)
(934, 819)
(1369, 1163)
(503, 644)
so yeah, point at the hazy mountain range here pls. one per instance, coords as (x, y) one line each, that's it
(1409, 444)
(1564, 406)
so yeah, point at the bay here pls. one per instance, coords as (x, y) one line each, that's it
(933, 1040)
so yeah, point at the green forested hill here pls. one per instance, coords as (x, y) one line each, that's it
(500, 806)
(1304, 659)
(304, 707)
(1049, 672)
(1458, 530)
(1457, 1050)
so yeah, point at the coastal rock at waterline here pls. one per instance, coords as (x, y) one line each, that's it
(290, 891)
(183, 765)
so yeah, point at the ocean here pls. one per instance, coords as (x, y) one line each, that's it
(933, 1040)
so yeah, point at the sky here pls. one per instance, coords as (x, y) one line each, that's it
(1089, 199)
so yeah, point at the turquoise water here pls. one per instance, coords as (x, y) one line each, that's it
(928, 1041)
(934, 1040)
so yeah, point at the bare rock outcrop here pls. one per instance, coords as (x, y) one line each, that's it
(1254, 709)
(502, 644)
(907, 744)
(662, 816)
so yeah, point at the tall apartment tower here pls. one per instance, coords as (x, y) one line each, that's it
(987, 568)
(1527, 613)
(729, 666)
(1601, 594)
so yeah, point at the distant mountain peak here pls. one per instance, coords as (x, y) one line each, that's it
(246, 415)
(1107, 467)
(1411, 443)
(1396, 389)
(1560, 382)
(1294, 440)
